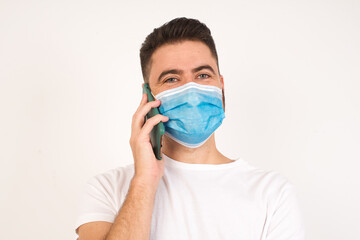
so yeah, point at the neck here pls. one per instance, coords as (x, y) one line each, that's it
(205, 154)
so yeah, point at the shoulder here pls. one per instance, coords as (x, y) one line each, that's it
(113, 180)
(269, 183)
(103, 195)
(113, 176)
(280, 196)
(276, 191)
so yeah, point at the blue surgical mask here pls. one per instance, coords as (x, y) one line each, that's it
(195, 111)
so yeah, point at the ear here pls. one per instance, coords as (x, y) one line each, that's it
(223, 90)
(222, 82)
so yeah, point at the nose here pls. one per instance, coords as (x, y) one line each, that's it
(188, 77)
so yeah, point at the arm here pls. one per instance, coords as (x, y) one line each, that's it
(133, 220)
(134, 217)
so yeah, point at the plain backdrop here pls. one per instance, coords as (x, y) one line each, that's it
(70, 82)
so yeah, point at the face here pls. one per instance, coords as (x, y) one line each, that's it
(173, 65)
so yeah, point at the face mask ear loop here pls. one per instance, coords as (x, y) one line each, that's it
(223, 99)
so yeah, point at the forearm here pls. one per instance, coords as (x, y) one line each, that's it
(134, 218)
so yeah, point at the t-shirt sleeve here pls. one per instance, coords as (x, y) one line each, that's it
(286, 221)
(99, 200)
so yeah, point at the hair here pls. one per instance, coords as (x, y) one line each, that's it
(177, 30)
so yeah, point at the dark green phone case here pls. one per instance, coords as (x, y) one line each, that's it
(158, 131)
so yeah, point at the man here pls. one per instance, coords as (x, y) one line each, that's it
(194, 192)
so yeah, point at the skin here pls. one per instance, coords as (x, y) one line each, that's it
(134, 217)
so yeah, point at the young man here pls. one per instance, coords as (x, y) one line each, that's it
(194, 192)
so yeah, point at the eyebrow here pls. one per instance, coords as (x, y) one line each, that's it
(208, 67)
(171, 71)
(177, 71)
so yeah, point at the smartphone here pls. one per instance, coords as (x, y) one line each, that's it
(159, 130)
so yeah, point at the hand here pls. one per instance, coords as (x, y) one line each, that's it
(148, 169)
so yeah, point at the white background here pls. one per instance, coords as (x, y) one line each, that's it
(70, 81)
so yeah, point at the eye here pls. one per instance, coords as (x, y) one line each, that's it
(170, 80)
(203, 75)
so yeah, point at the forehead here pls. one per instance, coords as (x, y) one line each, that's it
(181, 55)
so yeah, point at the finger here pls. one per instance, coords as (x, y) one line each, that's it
(134, 130)
(139, 116)
(143, 101)
(150, 123)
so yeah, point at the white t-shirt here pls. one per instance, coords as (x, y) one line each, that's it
(204, 201)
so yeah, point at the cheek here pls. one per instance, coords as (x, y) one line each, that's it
(168, 86)
(154, 90)
(218, 84)
(159, 88)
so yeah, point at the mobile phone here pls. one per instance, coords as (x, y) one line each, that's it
(159, 129)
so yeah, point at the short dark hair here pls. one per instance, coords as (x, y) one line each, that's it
(177, 30)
